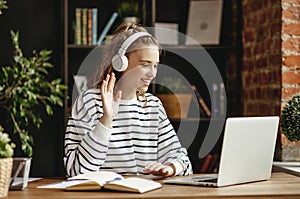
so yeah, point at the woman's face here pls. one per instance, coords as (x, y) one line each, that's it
(142, 69)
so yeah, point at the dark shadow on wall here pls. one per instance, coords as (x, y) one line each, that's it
(40, 24)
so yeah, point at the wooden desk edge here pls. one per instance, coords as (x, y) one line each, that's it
(281, 185)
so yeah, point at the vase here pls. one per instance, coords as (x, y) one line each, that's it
(135, 20)
(177, 105)
(5, 173)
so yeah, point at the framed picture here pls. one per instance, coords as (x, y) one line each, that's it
(204, 22)
(166, 33)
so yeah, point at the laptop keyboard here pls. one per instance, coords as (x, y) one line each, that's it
(214, 180)
(205, 179)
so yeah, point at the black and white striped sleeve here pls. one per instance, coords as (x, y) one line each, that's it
(170, 150)
(86, 139)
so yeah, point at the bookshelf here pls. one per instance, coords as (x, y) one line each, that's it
(74, 52)
(218, 53)
(74, 56)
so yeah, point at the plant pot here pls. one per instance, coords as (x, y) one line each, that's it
(289, 150)
(20, 173)
(132, 19)
(5, 173)
(177, 105)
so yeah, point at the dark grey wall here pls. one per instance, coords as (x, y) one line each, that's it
(40, 24)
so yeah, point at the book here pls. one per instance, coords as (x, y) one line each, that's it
(218, 100)
(206, 163)
(213, 163)
(201, 101)
(94, 25)
(84, 27)
(215, 99)
(77, 37)
(222, 109)
(107, 27)
(89, 26)
(93, 181)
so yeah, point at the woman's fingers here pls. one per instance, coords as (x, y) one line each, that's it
(151, 166)
(104, 84)
(111, 83)
(108, 83)
(167, 171)
(157, 168)
(104, 87)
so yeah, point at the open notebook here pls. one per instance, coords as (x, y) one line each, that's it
(107, 180)
(246, 156)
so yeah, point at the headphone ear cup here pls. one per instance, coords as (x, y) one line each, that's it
(119, 63)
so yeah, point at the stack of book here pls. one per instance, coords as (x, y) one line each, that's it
(217, 98)
(86, 26)
(218, 101)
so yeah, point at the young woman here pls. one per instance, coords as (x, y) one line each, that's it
(119, 127)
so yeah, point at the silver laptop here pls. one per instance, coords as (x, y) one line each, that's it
(246, 156)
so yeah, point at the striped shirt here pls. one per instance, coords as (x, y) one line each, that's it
(138, 135)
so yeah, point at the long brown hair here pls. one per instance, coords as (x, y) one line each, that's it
(122, 32)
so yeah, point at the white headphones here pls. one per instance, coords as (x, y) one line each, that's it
(120, 61)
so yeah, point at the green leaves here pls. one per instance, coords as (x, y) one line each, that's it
(170, 85)
(24, 87)
(290, 119)
(128, 9)
(2, 5)
(27, 142)
(6, 148)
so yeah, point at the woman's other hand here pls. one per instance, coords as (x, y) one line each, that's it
(158, 168)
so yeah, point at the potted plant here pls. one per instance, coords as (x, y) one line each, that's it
(290, 119)
(24, 88)
(290, 128)
(24, 92)
(6, 161)
(129, 11)
(175, 96)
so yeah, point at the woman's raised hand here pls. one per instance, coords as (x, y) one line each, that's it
(110, 102)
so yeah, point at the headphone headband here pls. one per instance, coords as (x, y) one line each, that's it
(130, 40)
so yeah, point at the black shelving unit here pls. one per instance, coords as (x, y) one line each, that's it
(176, 11)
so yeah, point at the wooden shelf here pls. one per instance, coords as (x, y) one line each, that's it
(191, 119)
(166, 47)
(215, 47)
(73, 46)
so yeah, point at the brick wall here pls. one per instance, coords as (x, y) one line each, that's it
(290, 151)
(270, 62)
(290, 49)
(271, 54)
(261, 68)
